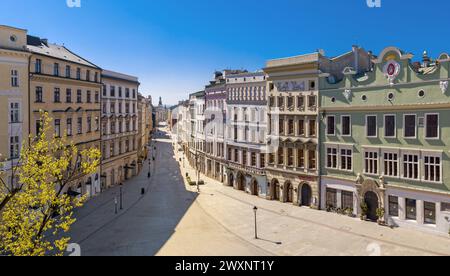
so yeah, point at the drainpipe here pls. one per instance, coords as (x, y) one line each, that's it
(29, 100)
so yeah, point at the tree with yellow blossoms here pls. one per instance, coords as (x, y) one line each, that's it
(37, 212)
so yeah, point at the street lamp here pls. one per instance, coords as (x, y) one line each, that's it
(121, 196)
(255, 209)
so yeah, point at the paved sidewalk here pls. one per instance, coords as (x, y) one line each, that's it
(285, 229)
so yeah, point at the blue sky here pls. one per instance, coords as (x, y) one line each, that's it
(174, 46)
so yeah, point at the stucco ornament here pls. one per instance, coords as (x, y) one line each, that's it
(444, 86)
(391, 71)
(348, 94)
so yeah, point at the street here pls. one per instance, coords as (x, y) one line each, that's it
(172, 219)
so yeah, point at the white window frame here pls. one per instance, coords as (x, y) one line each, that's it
(433, 155)
(383, 160)
(367, 125)
(395, 126)
(15, 78)
(438, 126)
(365, 169)
(340, 157)
(14, 147)
(404, 126)
(328, 156)
(402, 166)
(342, 126)
(13, 110)
(334, 133)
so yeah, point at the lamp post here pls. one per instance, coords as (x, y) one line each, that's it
(121, 196)
(255, 209)
(115, 205)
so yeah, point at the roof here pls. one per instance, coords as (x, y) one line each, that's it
(119, 76)
(197, 94)
(40, 46)
(303, 59)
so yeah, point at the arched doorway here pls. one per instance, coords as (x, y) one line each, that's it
(240, 182)
(255, 188)
(288, 192)
(306, 195)
(275, 189)
(371, 199)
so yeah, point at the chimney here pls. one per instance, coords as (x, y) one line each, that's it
(426, 59)
(355, 50)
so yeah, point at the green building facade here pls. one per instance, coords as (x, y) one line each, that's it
(385, 141)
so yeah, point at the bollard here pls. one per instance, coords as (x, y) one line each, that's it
(143, 191)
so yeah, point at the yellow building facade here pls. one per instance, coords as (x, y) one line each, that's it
(67, 87)
(14, 105)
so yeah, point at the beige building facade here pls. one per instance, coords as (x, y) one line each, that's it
(67, 87)
(14, 105)
(119, 128)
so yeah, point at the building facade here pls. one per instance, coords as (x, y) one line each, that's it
(215, 122)
(197, 144)
(246, 132)
(14, 104)
(67, 87)
(386, 141)
(120, 139)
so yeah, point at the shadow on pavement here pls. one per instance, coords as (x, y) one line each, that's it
(147, 222)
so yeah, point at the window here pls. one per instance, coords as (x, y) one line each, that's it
(127, 92)
(39, 96)
(112, 91)
(14, 112)
(57, 95)
(68, 71)
(271, 101)
(430, 213)
(301, 158)
(280, 156)
(291, 127)
(281, 127)
(69, 127)
(371, 162)
(38, 66)
(89, 124)
(410, 126)
(391, 164)
(371, 126)
(80, 126)
(301, 102)
(331, 127)
(244, 158)
(346, 159)
(113, 127)
(97, 97)
(312, 160)
(301, 127)
(347, 200)
(236, 155)
(346, 125)
(104, 90)
(312, 128)
(411, 209)
(281, 102)
(331, 198)
(79, 96)
(88, 75)
(411, 166)
(14, 147)
(393, 206)
(96, 76)
(432, 169)
(445, 207)
(97, 124)
(332, 158)
(312, 102)
(38, 127)
(56, 69)
(389, 126)
(290, 102)
(57, 128)
(88, 96)
(78, 73)
(68, 95)
(112, 107)
(290, 157)
(14, 78)
(432, 126)
(134, 93)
